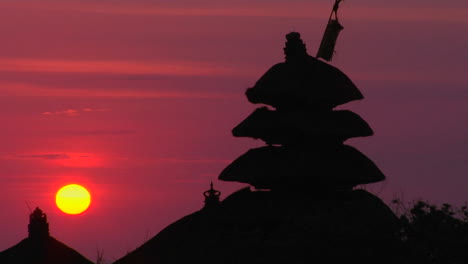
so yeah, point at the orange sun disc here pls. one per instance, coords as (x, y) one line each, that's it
(73, 199)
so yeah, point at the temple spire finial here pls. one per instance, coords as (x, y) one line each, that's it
(294, 47)
(38, 227)
(211, 197)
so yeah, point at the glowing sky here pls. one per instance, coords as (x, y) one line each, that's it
(136, 100)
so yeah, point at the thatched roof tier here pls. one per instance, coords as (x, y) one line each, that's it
(307, 168)
(291, 127)
(303, 81)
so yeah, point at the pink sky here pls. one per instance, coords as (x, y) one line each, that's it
(136, 100)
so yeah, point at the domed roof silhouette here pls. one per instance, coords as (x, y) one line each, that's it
(268, 227)
(279, 127)
(303, 80)
(281, 167)
(40, 248)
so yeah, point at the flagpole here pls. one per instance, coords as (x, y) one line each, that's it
(324, 37)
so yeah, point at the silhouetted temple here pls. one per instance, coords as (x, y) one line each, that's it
(40, 247)
(308, 133)
(303, 207)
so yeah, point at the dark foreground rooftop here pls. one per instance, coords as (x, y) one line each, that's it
(40, 247)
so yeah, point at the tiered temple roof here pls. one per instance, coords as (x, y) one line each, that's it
(307, 131)
(310, 214)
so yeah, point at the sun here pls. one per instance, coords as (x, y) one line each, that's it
(73, 199)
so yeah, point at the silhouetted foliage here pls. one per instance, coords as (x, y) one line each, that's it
(434, 234)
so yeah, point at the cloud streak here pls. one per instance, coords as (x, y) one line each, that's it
(100, 132)
(27, 89)
(45, 156)
(74, 112)
(402, 11)
(68, 112)
(69, 159)
(168, 68)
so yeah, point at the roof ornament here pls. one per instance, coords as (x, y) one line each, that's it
(294, 48)
(211, 197)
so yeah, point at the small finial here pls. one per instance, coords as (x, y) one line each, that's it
(211, 197)
(295, 47)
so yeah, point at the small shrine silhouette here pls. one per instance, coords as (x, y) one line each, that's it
(39, 247)
(38, 227)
